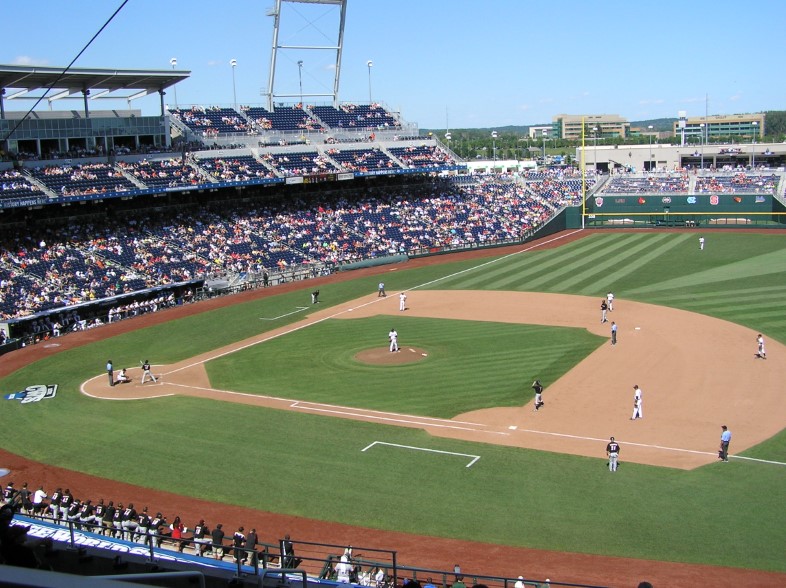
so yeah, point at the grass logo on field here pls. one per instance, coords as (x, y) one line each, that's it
(34, 393)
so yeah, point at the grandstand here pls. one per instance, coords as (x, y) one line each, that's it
(101, 226)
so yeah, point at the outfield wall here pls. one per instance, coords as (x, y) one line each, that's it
(688, 210)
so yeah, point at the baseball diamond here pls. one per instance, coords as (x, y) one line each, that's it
(697, 370)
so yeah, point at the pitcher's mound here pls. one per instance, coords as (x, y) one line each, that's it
(383, 355)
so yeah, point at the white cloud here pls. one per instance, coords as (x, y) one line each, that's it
(735, 98)
(524, 106)
(26, 60)
(647, 101)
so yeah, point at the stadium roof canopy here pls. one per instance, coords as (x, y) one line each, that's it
(18, 82)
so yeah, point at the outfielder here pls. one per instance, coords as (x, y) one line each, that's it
(146, 373)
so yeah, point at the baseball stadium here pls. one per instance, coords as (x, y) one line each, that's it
(260, 269)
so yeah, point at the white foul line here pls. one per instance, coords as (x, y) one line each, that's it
(374, 301)
(275, 318)
(408, 421)
(649, 446)
(469, 465)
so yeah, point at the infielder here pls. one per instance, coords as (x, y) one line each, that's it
(610, 301)
(613, 451)
(637, 411)
(760, 347)
(402, 301)
(538, 387)
(146, 373)
(393, 337)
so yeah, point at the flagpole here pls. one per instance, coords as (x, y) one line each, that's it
(583, 176)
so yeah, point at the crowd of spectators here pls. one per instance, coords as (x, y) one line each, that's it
(421, 156)
(126, 522)
(235, 169)
(164, 173)
(13, 184)
(737, 183)
(81, 180)
(669, 183)
(56, 267)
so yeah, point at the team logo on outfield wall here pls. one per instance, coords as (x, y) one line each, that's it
(666, 200)
(691, 200)
(598, 202)
(714, 200)
(34, 393)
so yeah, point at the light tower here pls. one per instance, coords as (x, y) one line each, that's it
(233, 65)
(173, 63)
(314, 12)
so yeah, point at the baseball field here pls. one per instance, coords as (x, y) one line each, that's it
(276, 405)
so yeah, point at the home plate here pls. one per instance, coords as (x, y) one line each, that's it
(638, 328)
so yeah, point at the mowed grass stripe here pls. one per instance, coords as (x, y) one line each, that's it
(648, 248)
(552, 280)
(513, 270)
(746, 294)
(525, 268)
(470, 364)
(765, 264)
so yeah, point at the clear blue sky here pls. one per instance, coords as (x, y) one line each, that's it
(460, 63)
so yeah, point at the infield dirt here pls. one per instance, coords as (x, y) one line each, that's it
(668, 400)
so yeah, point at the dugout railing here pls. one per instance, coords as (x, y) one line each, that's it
(313, 560)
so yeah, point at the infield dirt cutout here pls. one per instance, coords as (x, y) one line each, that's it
(696, 373)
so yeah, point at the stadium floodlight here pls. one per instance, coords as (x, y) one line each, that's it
(753, 145)
(173, 63)
(370, 64)
(300, 79)
(494, 144)
(233, 65)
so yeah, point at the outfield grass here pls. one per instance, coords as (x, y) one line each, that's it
(510, 496)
